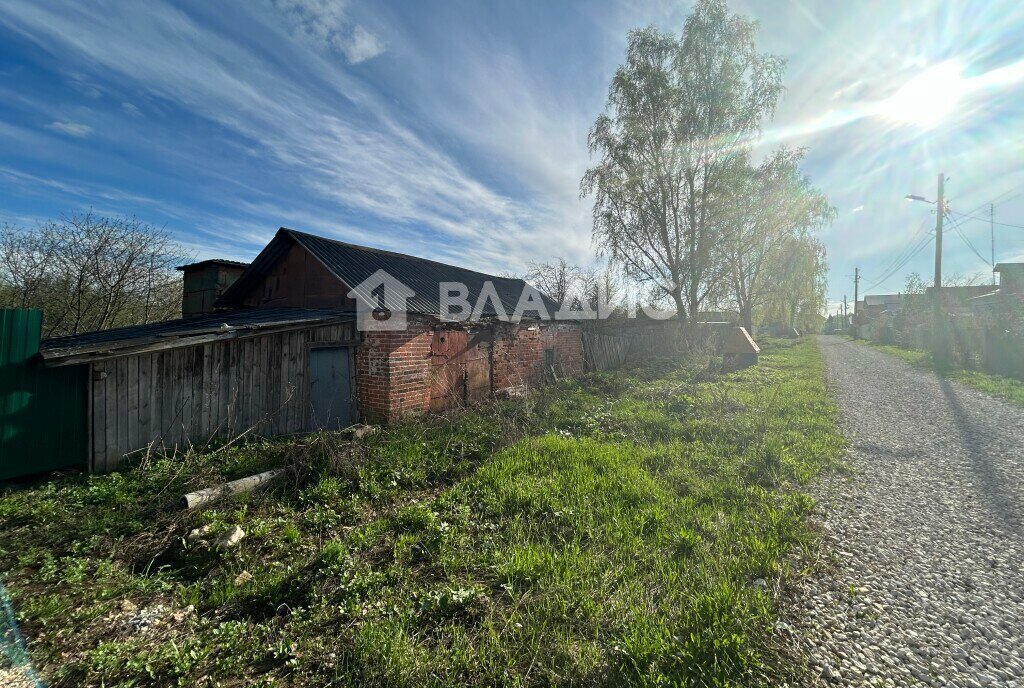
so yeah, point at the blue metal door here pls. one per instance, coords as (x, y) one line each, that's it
(330, 388)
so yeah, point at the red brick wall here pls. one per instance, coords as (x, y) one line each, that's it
(393, 368)
(391, 372)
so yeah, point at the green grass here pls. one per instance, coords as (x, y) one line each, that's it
(631, 528)
(1004, 387)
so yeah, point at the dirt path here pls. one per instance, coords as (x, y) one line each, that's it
(928, 534)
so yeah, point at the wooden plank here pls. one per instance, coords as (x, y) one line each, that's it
(122, 407)
(236, 375)
(286, 382)
(190, 403)
(260, 405)
(99, 418)
(203, 410)
(56, 359)
(273, 375)
(259, 373)
(195, 396)
(166, 393)
(214, 388)
(254, 383)
(157, 427)
(132, 414)
(88, 418)
(245, 392)
(173, 383)
(269, 377)
(301, 352)
(290, 415)
(110, 456)
(224, 388)
(145, 364)
(240, 377)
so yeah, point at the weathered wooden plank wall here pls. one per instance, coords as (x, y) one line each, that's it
(604, 351)
(175, 398)
(615, 348)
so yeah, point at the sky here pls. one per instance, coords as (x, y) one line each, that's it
(458, 130)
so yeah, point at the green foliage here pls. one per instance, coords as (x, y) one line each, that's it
(606, 530)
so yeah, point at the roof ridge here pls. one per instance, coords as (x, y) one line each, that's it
(298, 233)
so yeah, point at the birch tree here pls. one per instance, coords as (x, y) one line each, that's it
(680, 113)
(774, 206)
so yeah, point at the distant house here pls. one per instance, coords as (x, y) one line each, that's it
(1011, 278)
(1010, 290)
(274, 347)
(958, 299)
(874, 305)
(1006, 303)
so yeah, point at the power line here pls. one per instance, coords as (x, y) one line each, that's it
(896, 268)
(997, 201)
(963, 237)
(914, 247)
(886, 271)
(985, 219)
(902, 262)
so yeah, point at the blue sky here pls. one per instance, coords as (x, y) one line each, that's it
(457, 130)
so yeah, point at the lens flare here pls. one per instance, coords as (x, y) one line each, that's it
(928, 98)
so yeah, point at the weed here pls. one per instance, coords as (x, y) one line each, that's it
(605, 530)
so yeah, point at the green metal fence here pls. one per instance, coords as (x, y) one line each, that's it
(43, 411)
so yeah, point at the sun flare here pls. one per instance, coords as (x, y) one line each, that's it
(928, 98)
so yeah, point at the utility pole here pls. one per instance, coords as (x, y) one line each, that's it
(939, 336)
(992, 230)
(856, 298)
(846, 319)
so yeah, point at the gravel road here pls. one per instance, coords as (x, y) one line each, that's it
(926, 583)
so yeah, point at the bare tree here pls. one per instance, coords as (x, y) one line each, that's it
(558, 279)
(90, 273)
(598, 288)
(680, 115)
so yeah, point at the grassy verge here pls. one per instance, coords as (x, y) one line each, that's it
(996, 385)
(619, 529)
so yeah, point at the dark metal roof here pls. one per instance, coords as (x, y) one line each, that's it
(182, 331)
(353, 265)
(214, 261)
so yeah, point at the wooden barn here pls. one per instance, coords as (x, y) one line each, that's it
(273, 347)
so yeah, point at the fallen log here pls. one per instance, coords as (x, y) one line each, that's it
(212, 494)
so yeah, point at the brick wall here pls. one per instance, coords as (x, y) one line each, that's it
(393, 368)
(517, 358)
(392, 372)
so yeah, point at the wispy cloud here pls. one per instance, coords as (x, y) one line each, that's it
(356, 153)
(467, 143)
(333, 134)
(361, 45)
(327, 22)
(76, 129)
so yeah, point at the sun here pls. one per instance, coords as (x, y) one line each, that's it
(928, 98)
